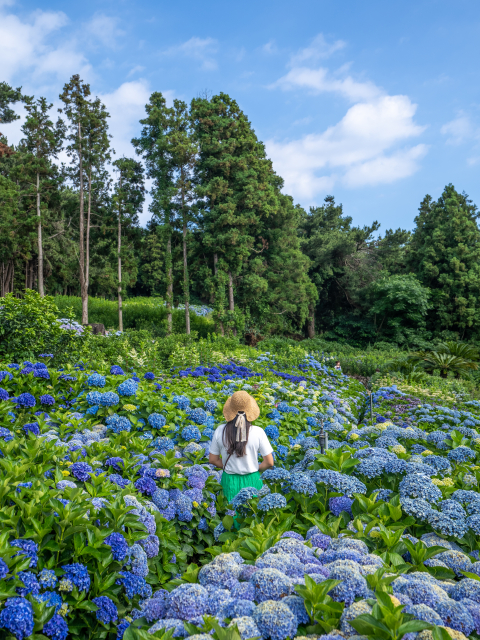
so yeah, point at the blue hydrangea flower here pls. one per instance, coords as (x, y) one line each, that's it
(191, 433)
(276, 475)
(297, 607)
(128, 388)
(96, 380)
(199, 416)
(118, 423)
(146, 485)
(455, 615)
(107, 611)
(246, 627)
(342, 503)
(271, 584)
(156, 420)
(271, 502)
(47, 399)
(56, 628)
(182, 402)
(419, 486)
(461, 454)
(134, 585)
(28, 548)
(77, 573)
(115, 370)
(81, 471)
(118, 545)
(188, 601)
(109, 399)
(32, 427)
(272, 432)
(149, 376)
(301, 483)
(155, 608)
(243, 496)
(47, 579)
(17, 617)
(275, 620)
(30, 583)
(211, 406)
(151, 545)
(93, 397)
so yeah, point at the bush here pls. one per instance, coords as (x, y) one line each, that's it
(29, 326)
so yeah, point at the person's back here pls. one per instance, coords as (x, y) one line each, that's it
(236, 444)
(257, 443)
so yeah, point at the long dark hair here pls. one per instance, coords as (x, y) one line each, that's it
(229, 438)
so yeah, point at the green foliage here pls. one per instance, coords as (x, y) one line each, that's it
(387, 621)
(29, 326)
(399, 305)
(147, 314)
(324, 612)
(445, 255)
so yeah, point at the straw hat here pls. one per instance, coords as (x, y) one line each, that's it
(241, 401)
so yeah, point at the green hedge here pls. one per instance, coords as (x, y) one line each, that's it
(138, 313)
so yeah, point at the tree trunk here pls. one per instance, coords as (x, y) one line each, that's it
(215, 271)
(120, 310)
(186, 285)
(231, 305)
(311, 321)
(83, 284)
(40, 246)
(87, 240)
(169, 282)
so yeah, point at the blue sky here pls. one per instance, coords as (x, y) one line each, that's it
(375, 102)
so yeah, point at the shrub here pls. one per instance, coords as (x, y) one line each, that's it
(29, 326)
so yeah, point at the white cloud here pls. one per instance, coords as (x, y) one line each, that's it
(26, 47)
(366, 147)
(137, 69)
(202, 50)
(321, 81)
(126, 106)
(353, 152)
(459, 130)
(318, 49)
(385, 169)
(104, 29)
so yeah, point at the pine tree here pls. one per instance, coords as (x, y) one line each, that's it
(445, 255)
(43, 141)
(128, 198)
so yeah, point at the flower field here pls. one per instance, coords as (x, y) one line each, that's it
(113, 524)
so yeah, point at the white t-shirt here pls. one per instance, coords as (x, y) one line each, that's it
(257, 443)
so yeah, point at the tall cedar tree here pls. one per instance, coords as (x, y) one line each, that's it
(183, 151)
(97, 154)
(236, 194)
(154, 145)
(87, 134)
(445, 255)
(43, 141)
(128, 198)
(77, 107)
(8, 96)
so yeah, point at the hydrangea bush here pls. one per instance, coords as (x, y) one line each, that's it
(113, 520)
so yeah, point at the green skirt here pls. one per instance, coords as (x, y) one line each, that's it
(233, 482)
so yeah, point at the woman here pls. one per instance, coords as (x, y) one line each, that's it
(236, 445)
